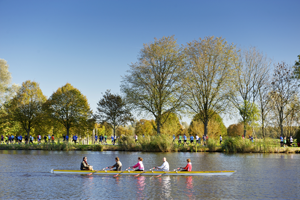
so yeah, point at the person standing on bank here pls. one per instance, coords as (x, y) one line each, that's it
(164, 167)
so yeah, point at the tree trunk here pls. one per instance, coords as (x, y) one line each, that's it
(244, 129)
(205, 127)
(28, 132)
(68, 130)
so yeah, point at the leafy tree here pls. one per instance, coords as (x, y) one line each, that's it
(145, 127)
(69, 107)
(215, 127)
(154, 83)
(26, 106)
(210, 68)
(113, 110)
(284, 91)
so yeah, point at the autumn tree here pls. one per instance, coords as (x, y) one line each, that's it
(284, 92)
(252, 69)
(69, 107)
(144, 126)
(210, 67)
(113, 110)
(26, 106)
(215, 126)
(154, 83)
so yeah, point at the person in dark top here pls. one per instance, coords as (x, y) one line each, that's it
(118, 165)
(85, 166)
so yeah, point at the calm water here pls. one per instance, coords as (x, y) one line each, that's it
(26, 175)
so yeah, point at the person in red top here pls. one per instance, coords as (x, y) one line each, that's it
(188, 167)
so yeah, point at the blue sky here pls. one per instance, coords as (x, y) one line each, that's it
(90, 43)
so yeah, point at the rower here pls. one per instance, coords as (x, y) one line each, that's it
(164, 166)
(140, 165)
(188, 167)
(85, 165)
(118, 165)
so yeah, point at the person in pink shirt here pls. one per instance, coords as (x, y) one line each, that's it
(188, 167)
(140, 165)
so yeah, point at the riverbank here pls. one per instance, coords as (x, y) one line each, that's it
(138, 147)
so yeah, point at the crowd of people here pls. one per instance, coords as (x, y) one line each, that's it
(137, 167)
(11, 139)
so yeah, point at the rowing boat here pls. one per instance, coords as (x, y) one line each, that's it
(149, 173)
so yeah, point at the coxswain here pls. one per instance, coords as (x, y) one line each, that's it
(140, 165)
(118, 165)
(85, 165)
(165, 166)
(188, 167)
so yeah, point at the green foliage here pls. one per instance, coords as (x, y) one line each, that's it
(70, 108)
(297, 68)
(26, 106)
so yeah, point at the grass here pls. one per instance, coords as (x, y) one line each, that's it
(163, 143)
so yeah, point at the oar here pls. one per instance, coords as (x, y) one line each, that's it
(164, 173)
(120, 173)
(143, 172)
(96, 171)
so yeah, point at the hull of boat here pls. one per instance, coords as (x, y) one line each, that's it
(147, 173)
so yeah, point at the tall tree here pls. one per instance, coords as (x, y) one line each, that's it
(69, 107)
(26, 106)
(252, 70)
(284, 91)
(210, 68)
(154, 83)
(113, 110)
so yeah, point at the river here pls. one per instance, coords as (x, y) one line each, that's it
(26, 175)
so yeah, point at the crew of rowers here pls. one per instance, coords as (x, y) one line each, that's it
(139, 166)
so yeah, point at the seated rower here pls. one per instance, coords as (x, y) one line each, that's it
(118, 165)
(140, 165)
(85, 165)
(164, 166)
(188, 167)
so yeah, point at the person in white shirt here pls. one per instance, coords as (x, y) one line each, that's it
(165, 166)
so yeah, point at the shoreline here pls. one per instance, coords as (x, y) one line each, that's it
(98, 147)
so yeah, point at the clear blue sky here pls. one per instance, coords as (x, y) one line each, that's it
(90, 43)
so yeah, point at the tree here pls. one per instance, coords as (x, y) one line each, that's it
(113, 110)
(252, 71)
(297, 68)
(284, 91)
(69, 107)
(154, 83)
(215, 126)
(210, 67)
(26, 106)
(145, 127)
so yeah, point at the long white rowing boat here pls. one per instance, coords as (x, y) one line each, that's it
(149, 173)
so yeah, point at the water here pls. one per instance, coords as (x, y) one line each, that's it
(26, 175)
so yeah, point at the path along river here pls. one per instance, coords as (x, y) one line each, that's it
(26, 174)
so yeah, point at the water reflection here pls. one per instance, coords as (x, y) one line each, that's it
(165, 185)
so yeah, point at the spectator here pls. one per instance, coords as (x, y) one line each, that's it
(52, 139)
(291, 141)
(221, 139)
(45, 138)
(192, 139)
(67, 138)
(281, 141)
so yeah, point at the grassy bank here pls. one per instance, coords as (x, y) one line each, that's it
(164, 144)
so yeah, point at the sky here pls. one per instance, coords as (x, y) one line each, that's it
(90, 44)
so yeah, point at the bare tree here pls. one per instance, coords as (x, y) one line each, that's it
(252, 71)
(154, 83)
(210, 66)
(284, 91)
